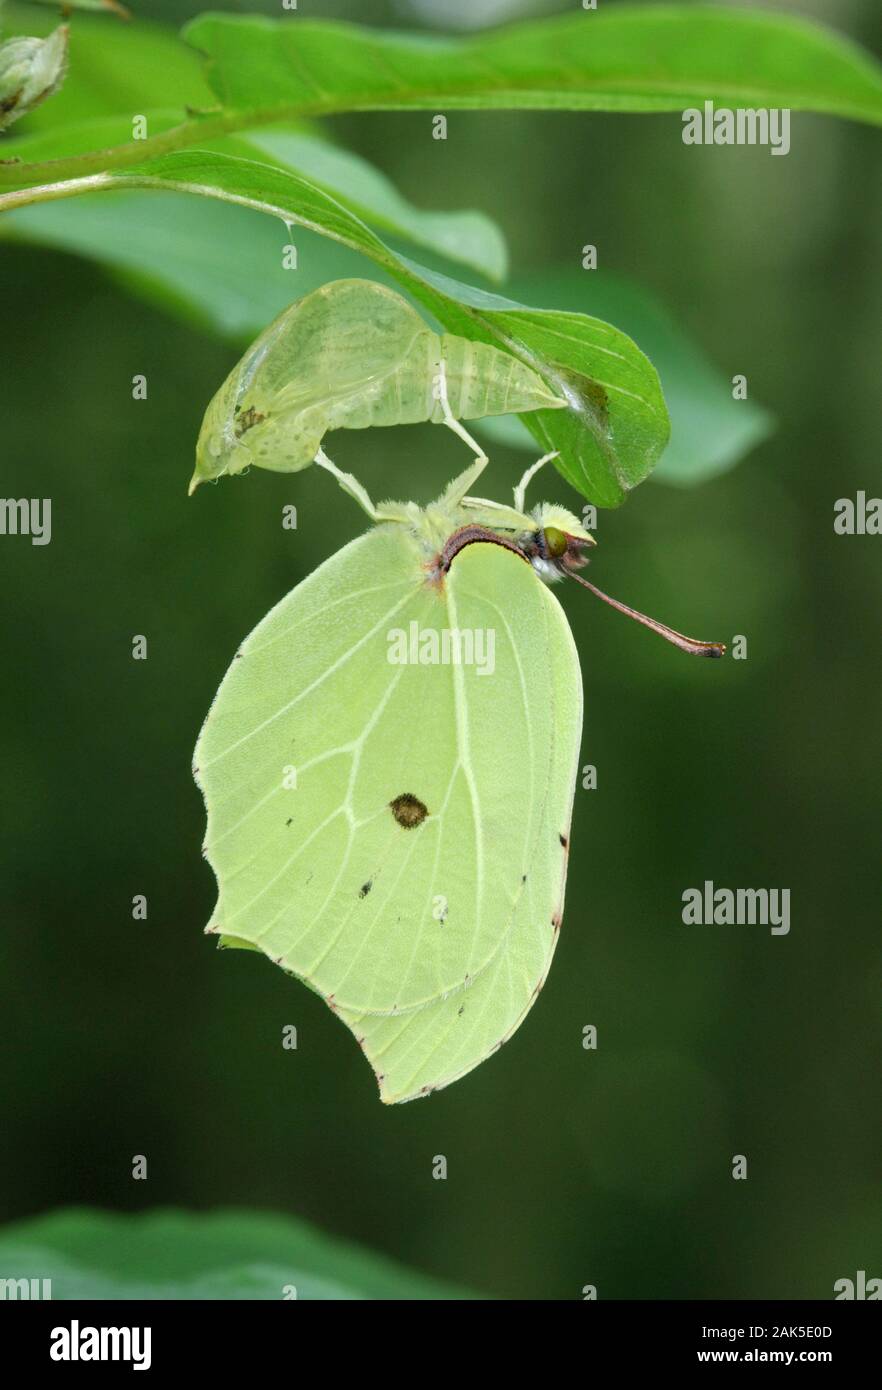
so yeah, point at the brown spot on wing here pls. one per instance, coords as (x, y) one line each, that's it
(408, 810)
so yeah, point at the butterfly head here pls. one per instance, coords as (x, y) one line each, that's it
(557, 545)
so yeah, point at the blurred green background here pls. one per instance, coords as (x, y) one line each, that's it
(566, 1167)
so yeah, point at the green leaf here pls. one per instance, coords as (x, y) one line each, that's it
(617, 424)
(468, 237)
(619, 58)
(169, 1254)
(612, 436)
(710, 432)
(216, 265)
(221, 266)
(104, 6)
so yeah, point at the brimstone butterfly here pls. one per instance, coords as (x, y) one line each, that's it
(389, 766)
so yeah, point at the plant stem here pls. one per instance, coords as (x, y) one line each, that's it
(20, 175)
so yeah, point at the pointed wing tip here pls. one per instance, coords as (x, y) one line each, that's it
(389, 1097)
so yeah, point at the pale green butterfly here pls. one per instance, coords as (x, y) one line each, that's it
(389, 767)
(350, 355)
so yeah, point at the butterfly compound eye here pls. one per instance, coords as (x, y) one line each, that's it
(555, 542)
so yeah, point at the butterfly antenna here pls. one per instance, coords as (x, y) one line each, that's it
(686, 644)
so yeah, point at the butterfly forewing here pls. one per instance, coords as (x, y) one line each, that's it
(424, 1049)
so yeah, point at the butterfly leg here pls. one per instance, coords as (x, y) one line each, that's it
(451, 421)
(350, 485)
(521, 489)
